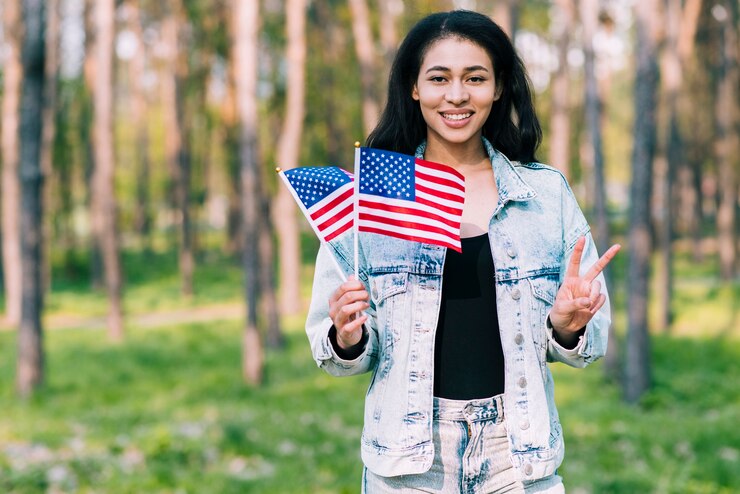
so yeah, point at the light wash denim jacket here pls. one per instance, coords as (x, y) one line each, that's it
(532, 234)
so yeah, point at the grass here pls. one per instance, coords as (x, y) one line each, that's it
(167, 412)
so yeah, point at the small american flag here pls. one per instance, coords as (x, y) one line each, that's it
(324, 194)
(409, 198)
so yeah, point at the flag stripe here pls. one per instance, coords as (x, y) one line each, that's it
(335, 217)
(445, 169)
(410, 211)
(407, 222)
(423, 199)
(440, 180)
(443, 241)
(336, 200)
(346, 226)
(441, 196)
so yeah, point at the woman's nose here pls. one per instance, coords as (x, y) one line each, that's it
(456, 93)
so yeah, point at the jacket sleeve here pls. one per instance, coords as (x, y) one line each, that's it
(327, 278)
(592, 344)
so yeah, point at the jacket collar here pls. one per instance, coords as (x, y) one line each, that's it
(511, 186)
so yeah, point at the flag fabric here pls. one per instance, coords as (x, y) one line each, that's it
(325, 195)
(409, 198)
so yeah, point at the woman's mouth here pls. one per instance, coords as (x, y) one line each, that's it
(456, 117)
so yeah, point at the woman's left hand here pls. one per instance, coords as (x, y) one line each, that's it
(579, 297)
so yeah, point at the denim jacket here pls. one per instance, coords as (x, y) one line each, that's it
(532, 234)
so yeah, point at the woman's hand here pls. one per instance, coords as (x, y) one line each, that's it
(579, 297)
(345, 305)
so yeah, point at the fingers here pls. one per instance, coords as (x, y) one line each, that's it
(346, 303)
(599, 265)
(575, 260)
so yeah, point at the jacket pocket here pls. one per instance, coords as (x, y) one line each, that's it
(544, 289)
(387, 294)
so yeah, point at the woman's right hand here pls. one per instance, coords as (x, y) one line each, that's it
(345, 305)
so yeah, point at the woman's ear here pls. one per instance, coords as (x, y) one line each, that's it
(415, 93)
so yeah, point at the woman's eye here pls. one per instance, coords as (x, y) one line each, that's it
(438, 78)
(476, 79)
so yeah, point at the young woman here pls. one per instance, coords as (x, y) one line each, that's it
(461, 398)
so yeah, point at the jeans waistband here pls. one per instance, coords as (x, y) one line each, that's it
(470, 410)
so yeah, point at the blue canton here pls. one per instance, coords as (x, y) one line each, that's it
(387, 174)
(313, 184)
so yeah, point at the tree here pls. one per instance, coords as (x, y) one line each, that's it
(289, 145)
(245, 60)
(727, 141)
(365, 50)
(12, 75)
(593, 104)
(30, 367)
(177, 142)
(104, 216)
(637, 360)
(506, 15)
(562, 24)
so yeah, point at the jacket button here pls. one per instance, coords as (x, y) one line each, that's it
(528, 469)
(522, 382)
(524, 424)
(519, 339)
(516, 294)
(511, 252)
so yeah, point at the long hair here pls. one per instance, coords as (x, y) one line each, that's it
(512, 127)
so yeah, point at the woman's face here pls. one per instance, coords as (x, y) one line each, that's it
(455, 89)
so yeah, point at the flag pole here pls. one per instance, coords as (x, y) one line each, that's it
(356, 209)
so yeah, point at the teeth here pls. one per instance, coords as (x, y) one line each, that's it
(456, 116)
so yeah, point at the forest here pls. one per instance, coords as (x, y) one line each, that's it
(155, 275)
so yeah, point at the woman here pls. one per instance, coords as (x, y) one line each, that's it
(461, 398)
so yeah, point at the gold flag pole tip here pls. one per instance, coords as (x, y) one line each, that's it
(357, 144)
(278, 169)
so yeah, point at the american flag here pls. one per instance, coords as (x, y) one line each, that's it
(409, 198)
(324, 194)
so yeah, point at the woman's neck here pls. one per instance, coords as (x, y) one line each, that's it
(463, 157)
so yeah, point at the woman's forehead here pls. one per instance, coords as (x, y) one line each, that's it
(455, 52)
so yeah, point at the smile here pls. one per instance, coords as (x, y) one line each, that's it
(456, 116)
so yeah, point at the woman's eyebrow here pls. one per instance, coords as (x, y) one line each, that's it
(441, 68)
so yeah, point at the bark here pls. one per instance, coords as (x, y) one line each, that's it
(142, 213)
(103, 192)
(390, 11)
(593, 105)
(286, 212)
(506, 15)
(270, 309)
(87, 138)
(12, 75)
(366, 56)
(177, 149)
(559, 107)
(245, 60)
(30, 366)
(726, 144)
(49, 116)
(637, 359)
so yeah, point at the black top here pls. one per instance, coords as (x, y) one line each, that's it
(468, 358)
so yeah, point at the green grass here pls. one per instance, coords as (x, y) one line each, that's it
(167, 411)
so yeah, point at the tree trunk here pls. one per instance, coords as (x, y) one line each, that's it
(270, 309)
(245, 60)
(30, 367)
(12, 75)
(137, 66)
(103, 193)
(49, 117)
(390, 11)
(87, 137)
(726, 143)
(589, 14)
(286, 212)
(366, 56)
(637, 360)
(178, 152)
(506, 15)
(562, 25)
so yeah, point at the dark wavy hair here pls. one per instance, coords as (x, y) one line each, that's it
(512, 127)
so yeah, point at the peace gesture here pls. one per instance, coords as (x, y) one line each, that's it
(579, 297)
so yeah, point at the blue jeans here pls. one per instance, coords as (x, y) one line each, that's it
(471, 455)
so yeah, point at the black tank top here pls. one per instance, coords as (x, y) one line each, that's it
(468, 358)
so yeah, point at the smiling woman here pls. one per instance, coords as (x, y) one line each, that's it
(461, 398)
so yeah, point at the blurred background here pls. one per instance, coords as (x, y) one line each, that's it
(155, 276)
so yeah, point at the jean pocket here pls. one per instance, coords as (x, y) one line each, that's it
(388, 295)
